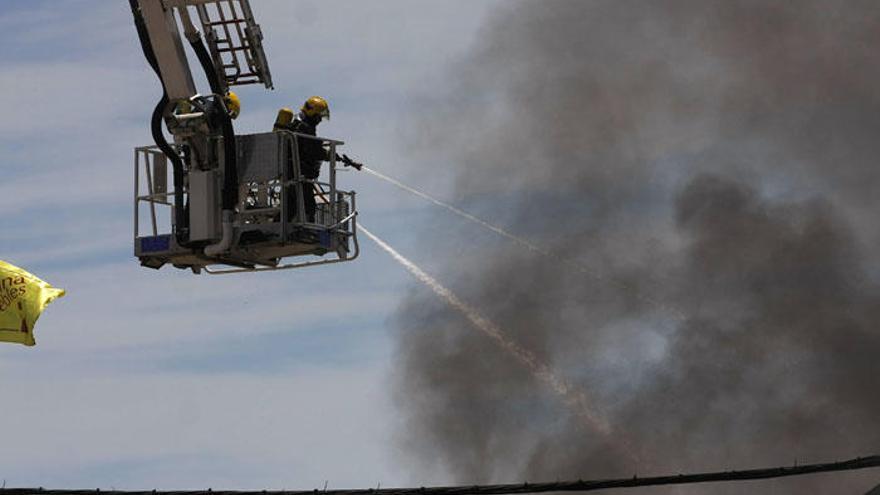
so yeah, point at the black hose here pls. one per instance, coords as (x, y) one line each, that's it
(144, 37)
(230, 171)
(180, 219)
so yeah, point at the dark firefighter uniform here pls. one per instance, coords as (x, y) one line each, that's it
(311, 151)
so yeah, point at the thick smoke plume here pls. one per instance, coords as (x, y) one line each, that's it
(721, 157)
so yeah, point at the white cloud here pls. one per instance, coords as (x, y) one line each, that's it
(273, 432)
(48, 99)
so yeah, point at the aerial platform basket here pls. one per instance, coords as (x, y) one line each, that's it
(270, 227)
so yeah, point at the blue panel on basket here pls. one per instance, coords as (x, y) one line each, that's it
(325, 237)
(155, 244)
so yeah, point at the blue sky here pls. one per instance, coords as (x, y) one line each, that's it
(144, 379)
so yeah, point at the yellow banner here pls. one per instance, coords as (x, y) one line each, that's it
(22, 298)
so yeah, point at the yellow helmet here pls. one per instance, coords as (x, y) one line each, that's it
(316, 107)
(233, 104)
(285, 117)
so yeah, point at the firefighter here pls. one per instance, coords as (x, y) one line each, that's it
(311, 151)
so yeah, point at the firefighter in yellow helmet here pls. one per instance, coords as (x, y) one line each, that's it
(314, 110)
(311, 151)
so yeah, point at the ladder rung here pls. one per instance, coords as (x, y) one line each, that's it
(233, 49)
(249, 81)
(228, 21)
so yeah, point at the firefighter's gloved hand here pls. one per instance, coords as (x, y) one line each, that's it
(351, 163)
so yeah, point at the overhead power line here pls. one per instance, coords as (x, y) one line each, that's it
(512, 489)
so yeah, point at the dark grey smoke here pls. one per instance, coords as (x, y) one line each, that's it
(722, 157)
